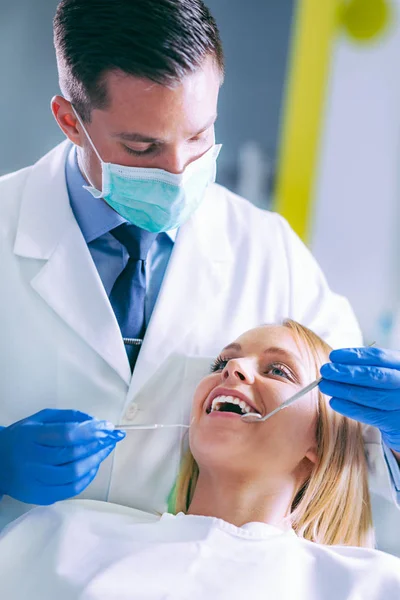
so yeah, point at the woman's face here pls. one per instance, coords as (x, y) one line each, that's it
(264, 367)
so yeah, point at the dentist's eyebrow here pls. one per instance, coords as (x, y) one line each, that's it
(139, 137)
(206, 126)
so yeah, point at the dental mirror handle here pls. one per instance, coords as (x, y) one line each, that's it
(303, 392)
(153, 426)
(297, 396)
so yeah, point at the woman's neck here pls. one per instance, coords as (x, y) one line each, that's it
(239, 501)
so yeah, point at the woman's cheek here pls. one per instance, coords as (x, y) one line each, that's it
(302, 418)
(276, 393)
(202, 392)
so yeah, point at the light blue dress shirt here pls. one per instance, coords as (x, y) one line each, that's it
(95, 219)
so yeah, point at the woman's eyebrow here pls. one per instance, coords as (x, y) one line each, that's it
(286, 354)
(272, 350)
(233, 346)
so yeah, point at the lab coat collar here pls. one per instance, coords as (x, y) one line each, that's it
(68, 279)
(94, 216)
(44, 218)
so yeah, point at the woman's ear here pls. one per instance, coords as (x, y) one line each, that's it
(305, 466)
(312, 455)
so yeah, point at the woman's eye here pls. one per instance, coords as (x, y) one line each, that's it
(278, 371)
(219, 364)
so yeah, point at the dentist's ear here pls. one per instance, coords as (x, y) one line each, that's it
(66, 119)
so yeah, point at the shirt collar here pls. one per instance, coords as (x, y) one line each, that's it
(94, 216)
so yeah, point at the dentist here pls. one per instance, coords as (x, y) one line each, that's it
(123, 264)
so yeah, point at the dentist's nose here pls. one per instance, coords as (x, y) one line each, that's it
(175, 161)
(238, 370)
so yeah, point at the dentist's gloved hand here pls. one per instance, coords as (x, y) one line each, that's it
(365, 385)
(53, 455)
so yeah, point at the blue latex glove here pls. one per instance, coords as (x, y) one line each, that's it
(53, 455)
(365, 385)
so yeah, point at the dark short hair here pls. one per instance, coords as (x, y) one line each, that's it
(161, 40)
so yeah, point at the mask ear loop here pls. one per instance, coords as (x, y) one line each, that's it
(90, 142)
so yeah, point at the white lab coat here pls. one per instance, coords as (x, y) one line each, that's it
(99, 551)
(233, 267)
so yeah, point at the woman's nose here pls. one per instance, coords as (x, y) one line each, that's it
(236, 370)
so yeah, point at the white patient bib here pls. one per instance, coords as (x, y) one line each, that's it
(96, 551)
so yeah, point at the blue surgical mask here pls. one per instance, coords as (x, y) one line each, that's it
(154, 199)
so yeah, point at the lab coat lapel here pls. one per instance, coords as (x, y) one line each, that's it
(195, 278)
(68, 279)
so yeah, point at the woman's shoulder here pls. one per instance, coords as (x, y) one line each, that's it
(84, 514)
(372, 570)
(94, 509)
(362, 554)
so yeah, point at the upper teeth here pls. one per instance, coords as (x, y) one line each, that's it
(216, 403)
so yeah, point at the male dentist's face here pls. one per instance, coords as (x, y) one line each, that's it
(147, 124)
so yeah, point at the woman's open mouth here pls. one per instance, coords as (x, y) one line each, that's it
(229, 403)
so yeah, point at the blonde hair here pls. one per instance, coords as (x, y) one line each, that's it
(333, 506)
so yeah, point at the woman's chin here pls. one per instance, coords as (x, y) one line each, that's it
(219, 429)
(221, 461)
(219, 444)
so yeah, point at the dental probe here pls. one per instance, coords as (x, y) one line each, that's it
(257, 418)
(154, 426)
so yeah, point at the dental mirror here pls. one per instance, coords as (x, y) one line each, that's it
(257, 418)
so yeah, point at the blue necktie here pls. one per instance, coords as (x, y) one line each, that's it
(129, 290)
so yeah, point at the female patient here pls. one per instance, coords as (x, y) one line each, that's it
(268, 510)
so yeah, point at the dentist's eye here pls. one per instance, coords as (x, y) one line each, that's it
(151, 149)
(278, 370)
(219, 364)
